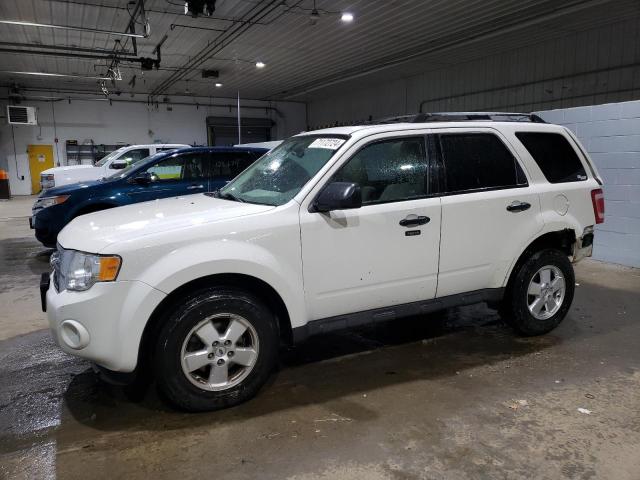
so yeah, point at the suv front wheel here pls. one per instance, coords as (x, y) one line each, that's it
(541, 293)
(216, 349)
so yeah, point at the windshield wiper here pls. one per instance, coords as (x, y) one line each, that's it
(230, 196)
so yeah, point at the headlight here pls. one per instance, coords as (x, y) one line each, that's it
(45, 202)
(80, 271)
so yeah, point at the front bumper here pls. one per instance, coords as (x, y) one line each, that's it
(46, 223)
(103, 324)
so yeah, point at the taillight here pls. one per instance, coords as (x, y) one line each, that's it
(597, 199)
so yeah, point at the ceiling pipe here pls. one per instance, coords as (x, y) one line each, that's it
(258, 12)
(70, 48)
(122, 100)
(69, 27)
(527, 84)
(46, 74)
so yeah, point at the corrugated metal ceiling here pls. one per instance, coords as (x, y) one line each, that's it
(300, 57)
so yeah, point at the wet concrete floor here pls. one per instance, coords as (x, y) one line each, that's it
(451, 395)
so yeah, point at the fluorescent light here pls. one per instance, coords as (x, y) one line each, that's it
(66, 27)
(45, 74)
(218, 85)
(260, 64)
(347, 17)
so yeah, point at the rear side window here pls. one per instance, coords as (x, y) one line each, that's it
(227, 165)
(554, 155)
(478, 161)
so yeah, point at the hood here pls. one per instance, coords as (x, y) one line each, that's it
(55, 170)
(70, 189)
(95, 231)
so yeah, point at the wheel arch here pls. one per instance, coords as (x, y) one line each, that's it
(562, 240)
(246, 282)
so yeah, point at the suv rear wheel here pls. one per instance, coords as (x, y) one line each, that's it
(541, 293)
(217, 348)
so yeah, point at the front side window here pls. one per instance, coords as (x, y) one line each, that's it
(478, 161)
(282, 172)
(388, 171)
(554, 155)
(177, 168)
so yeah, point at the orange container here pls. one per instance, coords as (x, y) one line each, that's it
(4, 175)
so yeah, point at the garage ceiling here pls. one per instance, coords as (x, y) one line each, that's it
(388, 39)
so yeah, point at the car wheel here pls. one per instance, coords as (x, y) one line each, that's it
(541, 293)
(215, 350)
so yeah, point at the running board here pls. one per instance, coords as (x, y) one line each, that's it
(351, 320)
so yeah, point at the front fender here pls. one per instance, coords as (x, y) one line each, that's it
(198, 260)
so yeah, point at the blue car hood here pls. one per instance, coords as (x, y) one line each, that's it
(72, 188)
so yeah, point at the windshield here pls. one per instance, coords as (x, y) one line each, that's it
(113, 154)
(126, 170)
(277, 176)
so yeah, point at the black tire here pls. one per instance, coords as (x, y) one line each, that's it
(186, 314)
(515, 310)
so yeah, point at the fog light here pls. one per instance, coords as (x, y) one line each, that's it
(74, 334)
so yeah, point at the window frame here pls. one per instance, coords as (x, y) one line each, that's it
(441, 165)
(428, 160)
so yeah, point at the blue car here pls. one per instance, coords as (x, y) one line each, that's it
(166, 174)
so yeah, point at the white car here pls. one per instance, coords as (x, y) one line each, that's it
(332, 229)
(116, 160)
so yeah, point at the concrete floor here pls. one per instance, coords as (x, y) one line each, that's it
(453, 395)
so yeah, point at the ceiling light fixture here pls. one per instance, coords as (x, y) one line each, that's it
(347, 17)
(260, 64)
(218, 85)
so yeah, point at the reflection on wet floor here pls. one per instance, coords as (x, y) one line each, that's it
(45, 388)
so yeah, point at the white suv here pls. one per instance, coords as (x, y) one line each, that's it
(333, 228)
(116, 160)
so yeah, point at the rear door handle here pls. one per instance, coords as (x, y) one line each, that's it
(414, 220)
(194, 187)
(518, 206)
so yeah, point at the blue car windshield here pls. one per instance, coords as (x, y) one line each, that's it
(277, 176)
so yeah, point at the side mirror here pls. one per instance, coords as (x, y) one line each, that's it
(338, 196)
(143, 178)
(119, 164)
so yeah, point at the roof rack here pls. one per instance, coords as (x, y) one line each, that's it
(461, 117)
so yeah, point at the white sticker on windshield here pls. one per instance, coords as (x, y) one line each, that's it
(328, 143)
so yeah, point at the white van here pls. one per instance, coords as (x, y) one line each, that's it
(119, 159)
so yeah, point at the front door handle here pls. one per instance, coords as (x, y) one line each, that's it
(194, 187)
(518, 206)
(414, 220)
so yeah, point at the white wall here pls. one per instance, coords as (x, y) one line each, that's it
(123, 122)
(611, 135)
